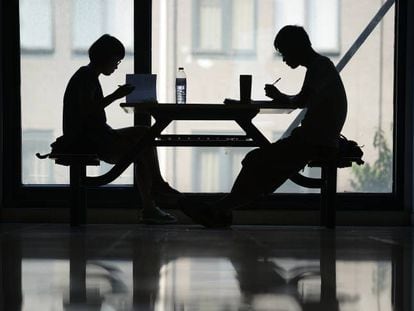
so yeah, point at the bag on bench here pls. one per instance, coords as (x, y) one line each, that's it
(65, 145)
(349, 151)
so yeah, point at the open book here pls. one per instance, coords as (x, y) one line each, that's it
(145, 88)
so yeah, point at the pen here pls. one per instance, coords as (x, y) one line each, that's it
(277, 80)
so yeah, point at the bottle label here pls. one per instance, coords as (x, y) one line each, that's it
(181, 91)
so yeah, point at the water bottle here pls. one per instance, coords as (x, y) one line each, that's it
(180, 86)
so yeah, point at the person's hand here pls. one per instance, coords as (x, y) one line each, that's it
(272, 91)
(123, 90)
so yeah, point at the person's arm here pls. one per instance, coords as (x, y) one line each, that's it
(301, 100)
(109, 99)
(295, 101)
(121, 91)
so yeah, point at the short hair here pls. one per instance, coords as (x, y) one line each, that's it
(104, 48)
(292, 37)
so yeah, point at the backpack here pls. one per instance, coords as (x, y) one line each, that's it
(349, 151)
(65, 145)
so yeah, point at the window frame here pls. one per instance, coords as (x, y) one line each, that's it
(17, 195)
(227, 50)
(307, 4)
(51, 48)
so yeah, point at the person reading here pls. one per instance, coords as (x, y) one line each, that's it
(267, 168)
(85, 127)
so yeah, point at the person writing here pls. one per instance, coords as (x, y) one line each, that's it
(267, 168)
(85, 127)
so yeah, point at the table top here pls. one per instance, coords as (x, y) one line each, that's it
(236, 107)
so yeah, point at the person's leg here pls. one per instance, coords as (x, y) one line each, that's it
(121, 143)
(250, 184)
(151, 213)
(259, 175)
(149, 158)
(264, 170)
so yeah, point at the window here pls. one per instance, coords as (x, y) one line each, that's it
(93, 18)
(36, 31)
(215, 169)
(37, 172)
(44, 76)
(225, 27)
(320, 18)
(368, 77)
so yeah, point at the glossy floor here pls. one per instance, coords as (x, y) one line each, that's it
(117, 267)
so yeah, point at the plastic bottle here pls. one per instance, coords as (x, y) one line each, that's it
(181, 86)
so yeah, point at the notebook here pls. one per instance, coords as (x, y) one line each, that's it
(145, 88)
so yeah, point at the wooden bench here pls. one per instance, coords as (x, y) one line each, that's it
(77, 171)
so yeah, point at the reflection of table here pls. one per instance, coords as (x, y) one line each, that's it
(164, 114)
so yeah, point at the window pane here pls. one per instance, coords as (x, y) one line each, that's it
(44, 77)
(211, 25)
(121, 24)
(243, 28)
(209, 173)
(36, 32)
(319, 17)
(289, 13)
(368, 80)
(323, 25)
(88, 22)
(91, 20)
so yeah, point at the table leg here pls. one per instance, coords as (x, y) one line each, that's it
(253, 132)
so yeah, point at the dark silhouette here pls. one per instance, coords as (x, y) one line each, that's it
(258, 274)
(265, 169)
(85, 128)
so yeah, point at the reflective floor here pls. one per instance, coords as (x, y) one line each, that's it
(124, 267)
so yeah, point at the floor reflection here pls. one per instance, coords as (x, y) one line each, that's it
(48, 267)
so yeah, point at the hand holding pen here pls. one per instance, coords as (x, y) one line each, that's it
(271, 90)
(123, 90)
(276, 81)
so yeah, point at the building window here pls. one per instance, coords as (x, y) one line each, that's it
(36, 171)
(93, 18)
(215, 169)
(224, 27)
(41, 112)
(36, 29)
(320, 18)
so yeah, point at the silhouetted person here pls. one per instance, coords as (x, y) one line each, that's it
(85, 126)
(265, 169)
